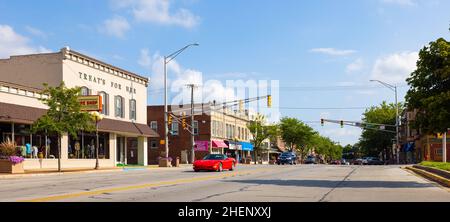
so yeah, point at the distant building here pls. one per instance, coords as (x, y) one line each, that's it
(417, 146)
(216, 131)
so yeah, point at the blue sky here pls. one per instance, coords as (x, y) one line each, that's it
(322, 52)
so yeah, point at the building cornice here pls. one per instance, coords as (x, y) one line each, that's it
(102, 66)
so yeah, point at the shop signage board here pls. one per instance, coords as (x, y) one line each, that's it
(90, 103)
(201, 146)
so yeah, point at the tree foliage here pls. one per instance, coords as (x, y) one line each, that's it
(374, 141)
(64, 114)
(261, 131)
(430, 88)
(296, 134)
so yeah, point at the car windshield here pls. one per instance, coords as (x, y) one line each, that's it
(214, 157)
(286, 154)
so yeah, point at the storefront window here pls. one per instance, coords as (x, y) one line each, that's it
(83, 146)
(29, 145)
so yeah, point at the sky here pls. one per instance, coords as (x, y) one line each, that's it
(320, 54)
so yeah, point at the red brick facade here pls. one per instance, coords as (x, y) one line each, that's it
(177, 143)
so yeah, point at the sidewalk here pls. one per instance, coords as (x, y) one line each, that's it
(48, 172)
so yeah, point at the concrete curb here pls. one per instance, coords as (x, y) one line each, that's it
(441, 180)
(14, 176)
(37, 174)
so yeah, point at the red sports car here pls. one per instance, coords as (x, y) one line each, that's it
(215, 162)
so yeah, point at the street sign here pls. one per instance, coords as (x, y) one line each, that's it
(90, 103)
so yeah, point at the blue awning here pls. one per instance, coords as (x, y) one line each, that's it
(246, 146)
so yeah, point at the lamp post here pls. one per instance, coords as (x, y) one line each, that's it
(97, 117)
(394, 88)
(167, 60)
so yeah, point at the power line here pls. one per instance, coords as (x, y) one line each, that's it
(321, 108)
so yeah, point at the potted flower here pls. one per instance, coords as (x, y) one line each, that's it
(9, 161)
(165, 162)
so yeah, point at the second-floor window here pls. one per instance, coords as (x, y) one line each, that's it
(118, 106)
(105, 102)
(133, 109)
(195, 127)
(174, 129)
(154, 125)
(85, 91)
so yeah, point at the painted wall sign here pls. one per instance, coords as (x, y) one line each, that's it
(101, 81)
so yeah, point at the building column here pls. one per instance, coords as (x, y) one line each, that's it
(112, 148)
(65, 146)
(142, 151)
(125, 146)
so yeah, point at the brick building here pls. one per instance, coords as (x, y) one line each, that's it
(417, 146)
(216, 131)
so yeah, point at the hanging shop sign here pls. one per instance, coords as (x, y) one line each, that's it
(90, 103)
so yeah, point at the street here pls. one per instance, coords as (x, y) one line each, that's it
(254, 183)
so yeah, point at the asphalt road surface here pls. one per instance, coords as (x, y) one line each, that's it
(301, 183)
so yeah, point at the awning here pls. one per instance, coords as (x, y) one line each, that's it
(27, 115)
(219, 144)
(246, 146)
(232, 145)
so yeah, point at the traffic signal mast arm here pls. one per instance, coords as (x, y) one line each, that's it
(179, 120)
(381, 127)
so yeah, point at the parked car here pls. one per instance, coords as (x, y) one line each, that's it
(345, 162)
(335, 162)
(374, 161)
(215, 162)
(311, 160)
(287, 158)
(358, 161)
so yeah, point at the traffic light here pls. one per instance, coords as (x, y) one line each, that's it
(342, 124)
(269, 101)
(169, 121)
(183, 122)
(322, 122)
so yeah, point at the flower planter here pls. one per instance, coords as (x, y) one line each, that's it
(6, 166)
(165, 163)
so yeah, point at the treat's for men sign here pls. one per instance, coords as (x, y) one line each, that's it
(90, 103)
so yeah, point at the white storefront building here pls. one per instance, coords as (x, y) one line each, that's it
(123, 131)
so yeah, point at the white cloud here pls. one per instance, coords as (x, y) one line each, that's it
(116, 26)
(355, 66)
(400, 2)
(333, 51)
(158, 11)
(395, 68)
(36, 32)
(12, 43)
(179, 77)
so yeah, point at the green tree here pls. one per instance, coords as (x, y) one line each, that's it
(296, 134)
(64, 114)
(374, 141)
(429, 91)
(261, 132)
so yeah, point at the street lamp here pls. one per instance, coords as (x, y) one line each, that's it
(394, 88)
(97, 117)
(168, 59)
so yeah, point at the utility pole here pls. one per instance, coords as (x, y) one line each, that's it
(192, 86)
